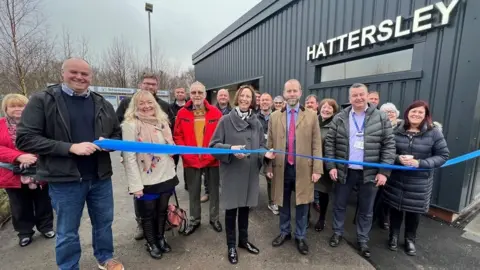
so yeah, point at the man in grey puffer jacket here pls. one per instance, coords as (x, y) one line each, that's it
(358, 133)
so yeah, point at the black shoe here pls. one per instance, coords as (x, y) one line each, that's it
(320, 226)
(335, 240)
(232, 255)
(49, 234)
(163, 245)
(302, 246)
(410, 247)
(393, 242)
(154, 251)
(191, 228)
(249, 247)
(281, 239)
(364, 250)
(216, 225)
(25, 241)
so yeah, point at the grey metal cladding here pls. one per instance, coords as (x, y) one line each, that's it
(444, 70)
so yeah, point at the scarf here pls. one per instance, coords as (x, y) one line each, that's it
(243, 115)
(147, 128)
(12, 128)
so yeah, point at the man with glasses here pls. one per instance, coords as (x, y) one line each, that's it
(278, 103)
(149, 83)
(194, 126)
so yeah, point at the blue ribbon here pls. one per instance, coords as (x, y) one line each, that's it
(141, 147)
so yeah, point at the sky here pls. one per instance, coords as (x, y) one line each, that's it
(180, 27)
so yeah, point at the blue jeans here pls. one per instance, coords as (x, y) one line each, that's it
(68, 200)
(301, 211)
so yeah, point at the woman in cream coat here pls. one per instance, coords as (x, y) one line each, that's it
(151, 177)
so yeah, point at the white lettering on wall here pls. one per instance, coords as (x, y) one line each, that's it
(423, 20)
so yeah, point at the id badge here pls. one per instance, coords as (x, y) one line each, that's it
(358, 145)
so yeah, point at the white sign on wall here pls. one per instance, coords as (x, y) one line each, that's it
(386, 30)
(101, 89)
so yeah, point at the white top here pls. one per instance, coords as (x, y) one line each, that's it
(164, 170)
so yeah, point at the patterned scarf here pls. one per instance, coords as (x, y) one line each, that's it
(12, 128)
(147, 128)
(243, 115)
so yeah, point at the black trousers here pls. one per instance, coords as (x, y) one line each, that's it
(154, 217)
(30, 207)
(412, 220)
(230, 220)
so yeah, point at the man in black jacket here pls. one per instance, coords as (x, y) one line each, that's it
(358, 133)
(149, 83)
(59, 125)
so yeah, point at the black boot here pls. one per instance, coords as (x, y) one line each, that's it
(139, 231)
(149, 231)
(162, 242)
(393, 242)
(410, 247)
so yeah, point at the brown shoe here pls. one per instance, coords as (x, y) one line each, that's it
(204, 198)
(111, 264)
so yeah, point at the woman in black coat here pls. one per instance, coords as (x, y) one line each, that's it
(419, 144)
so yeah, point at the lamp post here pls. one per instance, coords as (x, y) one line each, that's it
(149, 9)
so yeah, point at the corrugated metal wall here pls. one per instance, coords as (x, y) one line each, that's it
(276, 51)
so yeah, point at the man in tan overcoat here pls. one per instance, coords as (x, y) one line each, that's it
(294, 130)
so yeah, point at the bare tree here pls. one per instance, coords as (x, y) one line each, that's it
(116, 66)
(24, 46)
(83, 47)
(67, 43)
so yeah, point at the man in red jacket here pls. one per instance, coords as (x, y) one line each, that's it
(194, 126)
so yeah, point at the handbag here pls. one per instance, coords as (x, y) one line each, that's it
(177, 217)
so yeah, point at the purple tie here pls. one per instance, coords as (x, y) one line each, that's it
(291, 137)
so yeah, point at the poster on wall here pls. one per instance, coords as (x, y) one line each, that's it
(112, 100)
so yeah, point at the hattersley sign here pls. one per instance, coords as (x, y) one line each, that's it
(386, 30)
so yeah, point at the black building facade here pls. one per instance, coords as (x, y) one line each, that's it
(404, 49)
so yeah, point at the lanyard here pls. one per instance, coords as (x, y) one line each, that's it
(359, 131)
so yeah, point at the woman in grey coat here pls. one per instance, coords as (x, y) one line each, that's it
(419, 144)
(239, 173)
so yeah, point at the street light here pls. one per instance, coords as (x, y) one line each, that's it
(149, 9)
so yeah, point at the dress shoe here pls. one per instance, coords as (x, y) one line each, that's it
(410, 247)
(364, 250)
(154, 251)
(335, 240)
(232, 255)
(216, 225)
(163, 245)
(320, 226)
(25, 241)
(393, 242)
(249, 247)
(191, 228)
(302, 246)
(49, 234)
(281, 239)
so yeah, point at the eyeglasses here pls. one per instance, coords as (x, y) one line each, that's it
(194, 93)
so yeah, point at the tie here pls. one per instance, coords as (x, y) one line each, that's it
(291, 137)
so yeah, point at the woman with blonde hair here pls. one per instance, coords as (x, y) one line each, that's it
(151, 177)
(29, 201)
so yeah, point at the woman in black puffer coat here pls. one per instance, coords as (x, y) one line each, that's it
(419, 144)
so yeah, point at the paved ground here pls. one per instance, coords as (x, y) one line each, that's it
(205, 249)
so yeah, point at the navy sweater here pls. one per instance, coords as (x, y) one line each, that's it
(81, 112)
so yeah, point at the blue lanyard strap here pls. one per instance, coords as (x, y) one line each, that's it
(356, 125)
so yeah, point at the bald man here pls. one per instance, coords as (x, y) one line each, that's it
(223, 101)
(77, 171)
